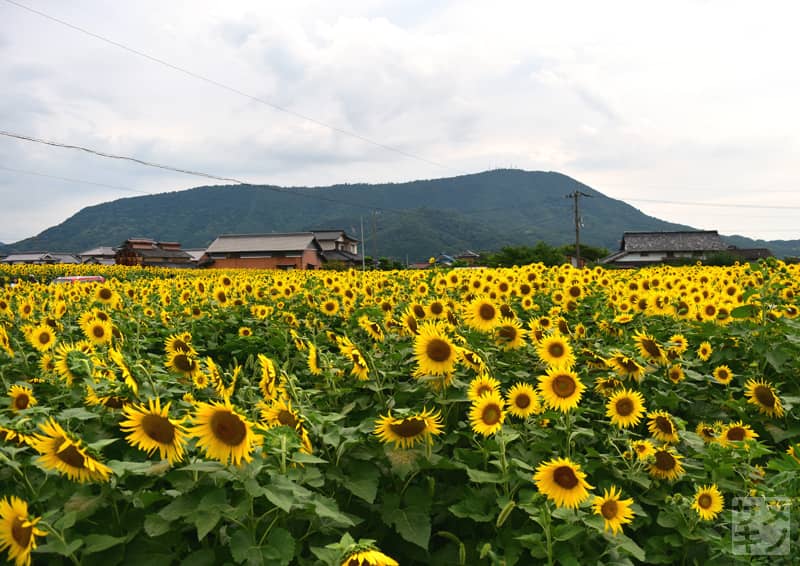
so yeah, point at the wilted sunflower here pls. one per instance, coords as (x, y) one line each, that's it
(149, 428)
(763, 395)
(42, 337)
(723, 374)
(666, 464)
(625, 366)
(405, 432)
(625, 407)
(736, 432)
(222, 433)
(615, 511)
(62, 453)
(523, 401)
(434, 351)
(649, 348)
(509, 334)
(704, 351)
(21, 397)
(708, 502)
(561, 389)
(367, 555)
(562, 481)
(487, 414)
(555, 351)
(662, 426)
(482, 385)
(481, 314)
(643, 449)
(18, 530)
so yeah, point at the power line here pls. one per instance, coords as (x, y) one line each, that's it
(229, 88)
(83, 182)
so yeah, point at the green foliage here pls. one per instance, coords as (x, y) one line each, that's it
(510, 256)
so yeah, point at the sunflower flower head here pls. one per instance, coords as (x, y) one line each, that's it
(563, 482)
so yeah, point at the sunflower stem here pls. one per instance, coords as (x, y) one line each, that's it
(60, 536)
(283, 454)
(546, 522)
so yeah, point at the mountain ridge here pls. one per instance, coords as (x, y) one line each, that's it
(480, 211)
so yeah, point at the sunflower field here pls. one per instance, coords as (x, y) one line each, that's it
(471, 416)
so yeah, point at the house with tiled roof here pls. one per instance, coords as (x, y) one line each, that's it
(294, 250)
(40, 258)
(145, 252)
(338, 246)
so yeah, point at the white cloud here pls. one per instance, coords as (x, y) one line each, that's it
(691, 101)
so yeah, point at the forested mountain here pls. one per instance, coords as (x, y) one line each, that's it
(483, 211)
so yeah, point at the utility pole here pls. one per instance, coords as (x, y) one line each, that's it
(575, 196)
(363, 245)
(374, 239)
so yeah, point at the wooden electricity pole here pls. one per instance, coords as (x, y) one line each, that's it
(576, 209)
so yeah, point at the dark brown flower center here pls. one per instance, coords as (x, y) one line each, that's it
(564, 385)
(522, 401)
(764, 396)
(665, 461)
(22, 401)
(98, 331)
(105, 294)
(556, 349)
(70, 455)
(736, 433)
(158, 428)
(44, 338)
(704, 501)
(491, 414)
(507, 333)
(419, 312)
(437, 308)
(438, 350)
(286, 418)
(20, 533)
(183, 363)
(564, 477)
(408, 428)
(664, 425)
(487, 312)
(624, 406)
(609, 509)
(651, 348)
(228, 428)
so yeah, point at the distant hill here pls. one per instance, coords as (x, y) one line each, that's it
(482, 211)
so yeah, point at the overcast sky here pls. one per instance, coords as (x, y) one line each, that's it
(682, 101)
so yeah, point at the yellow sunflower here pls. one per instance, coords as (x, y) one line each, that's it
(675, 374)
(481, 314)
(523, 401)
(563, 482)
(42, 337)
(149, 428)
(21, 397)
(625, 366)
(482, 385)
(763, 395)
(649, 348)
(245, 332)
(367, 557)
(313, 360)
(61, 453)
(677, 344)
(405, 432)
(643, 449)
(704, 351)
(662, 426)
(666, 464)
(222, 432)
(708, 502)
(615, 511)
(509, 334)
(736, 432)
(723, 374)
(18, 530)
(561, 389)
(179, 343)
(372, 328)
(98, 331)
(434, 351)
(183, 364)
(280, 413)
(555, 351)
(487, 414)
(625, 407)
(472, 359)
(330, 307)
(706, 431)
